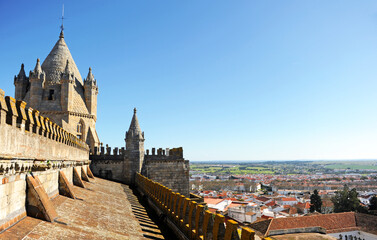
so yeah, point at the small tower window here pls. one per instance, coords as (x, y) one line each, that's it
(79, 126)
(51, 94)
(80, 130)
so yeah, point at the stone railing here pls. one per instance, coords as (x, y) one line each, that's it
(16, 114)
(189, 217)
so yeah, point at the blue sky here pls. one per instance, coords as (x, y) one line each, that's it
(227, 80)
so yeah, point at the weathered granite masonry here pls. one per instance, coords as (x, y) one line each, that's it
(34, 148)
(171, 170)
(167, 167)
(57, 90)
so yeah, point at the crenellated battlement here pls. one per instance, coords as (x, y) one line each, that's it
(188, 217)
(167, 153)
(16, 114)
(106, 151)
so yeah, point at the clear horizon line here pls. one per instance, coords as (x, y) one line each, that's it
(288, 160)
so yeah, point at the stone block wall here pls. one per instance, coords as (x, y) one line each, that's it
(12, 198)
(111, 169)
(168, 168)
(24, 134)
(32, 145)
(108, 164)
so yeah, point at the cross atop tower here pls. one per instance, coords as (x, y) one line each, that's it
(62, 18)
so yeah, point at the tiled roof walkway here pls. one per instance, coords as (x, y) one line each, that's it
(104, 210)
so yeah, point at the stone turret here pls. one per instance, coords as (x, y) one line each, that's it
(135, 149)
(91, 92)
(21, 82)
(67, 87)
(134, 135)
(55, 88)
(37, 80)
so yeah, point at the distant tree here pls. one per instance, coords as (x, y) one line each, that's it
(346, 200)
(315, 202)
(373, 203)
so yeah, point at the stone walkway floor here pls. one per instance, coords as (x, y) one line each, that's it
(104, 210)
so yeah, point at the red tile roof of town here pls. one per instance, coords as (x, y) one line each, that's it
(305, 205)
(262, 199)
(272, 203)
(213, 200)
(289, 199)
(331, 222)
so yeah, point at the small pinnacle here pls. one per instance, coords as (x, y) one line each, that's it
(90, 69)
(61, 34)
(22, 66)
(67, 67)
(134, 110)
(38, 66)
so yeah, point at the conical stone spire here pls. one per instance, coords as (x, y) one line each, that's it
(90, 77)
(66, 70)
(134, 135)
(21, 77)
(67, 74)
(134, 130)
(21, 74)
(56, 61)
(38, 68)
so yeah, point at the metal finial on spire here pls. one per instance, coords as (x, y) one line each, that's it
(62, 26)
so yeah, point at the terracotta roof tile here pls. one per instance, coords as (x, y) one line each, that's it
(213, 200)
(330, 222)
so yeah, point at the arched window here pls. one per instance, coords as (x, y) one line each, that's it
(80, 129)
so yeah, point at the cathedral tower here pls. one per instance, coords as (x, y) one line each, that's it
(57, 90)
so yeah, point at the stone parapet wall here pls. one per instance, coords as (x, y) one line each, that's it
(108, 164)
(186, 217)
(24, 134)
(32, 146)
(169, 168)
(167, 153)
(170, 172)
(111, 169)
(106, 151)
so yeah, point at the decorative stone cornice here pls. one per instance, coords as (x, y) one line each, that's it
(70, 113)
(16, 166)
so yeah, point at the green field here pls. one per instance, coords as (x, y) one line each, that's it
(230, 169)
(284, 167)
(351, 166)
